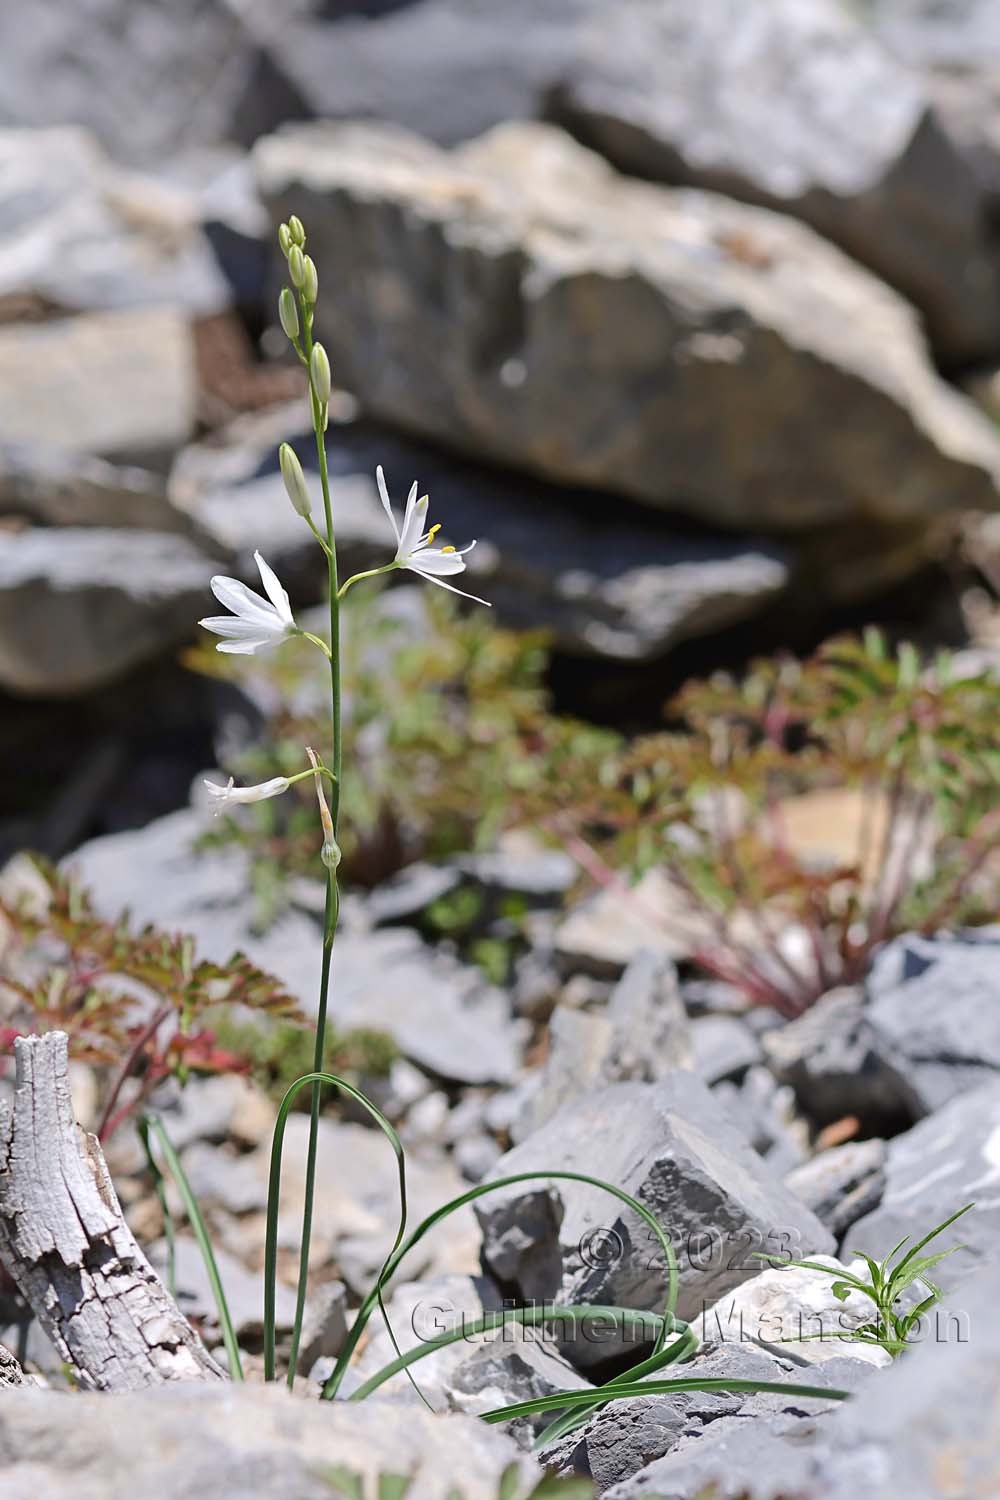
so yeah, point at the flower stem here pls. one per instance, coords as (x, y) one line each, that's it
(370, 573)
(332, 910)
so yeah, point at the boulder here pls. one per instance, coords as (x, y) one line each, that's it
(933, 1009)
(841, 1184)
(518, 299)
(168, 79)
(79, 607)
(240, 1442)
(625, 1438)
(641, 1035)
(116, 384)
(926, 1428)
(949, 1159)
(792, 1312)
(55, 487)
(82, 235)
(837, 1064)
(796, 106)
(669, 1144)
(441, 1014)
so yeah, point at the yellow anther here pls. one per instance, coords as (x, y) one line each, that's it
(434, 531)
(447, 549)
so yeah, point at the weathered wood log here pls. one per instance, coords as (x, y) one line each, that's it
(10, 1371)
(65, 1242)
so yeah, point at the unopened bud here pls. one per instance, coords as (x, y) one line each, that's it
(297, 266)
(288, 313)
(296, 230)
(330, 852)
(285, 238)
(310, 281)
(295, 480)
(319, 369)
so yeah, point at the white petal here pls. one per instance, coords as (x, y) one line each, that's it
(217, 792)
(413, 525)
(386, 502)
(449, 586)
(442, 564)
(274, 591)
(233, 628)
(241, 600)
(246, 647)
(261, 791)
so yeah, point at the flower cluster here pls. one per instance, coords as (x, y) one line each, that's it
(255, 623)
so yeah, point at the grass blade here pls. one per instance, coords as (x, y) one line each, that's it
(154, 1124)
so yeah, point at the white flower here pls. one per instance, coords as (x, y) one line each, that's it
(222, 796)
(254, 622)
(414, 550)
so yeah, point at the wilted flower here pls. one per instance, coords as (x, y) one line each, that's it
(414, 549)
(254, 623)
(222, 796)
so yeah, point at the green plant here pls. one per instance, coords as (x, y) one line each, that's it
(135, 1001)
(896, 1315)
(278, 1053)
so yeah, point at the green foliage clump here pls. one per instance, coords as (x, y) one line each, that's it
(895, 1323)
(134, 1000)
(452, 739)
(279, 1052)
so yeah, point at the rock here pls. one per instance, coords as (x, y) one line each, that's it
(669, 1144)
(447, 69)
(664, 91)
(841, 1184)
(116, 384)
(836, 1063)
(79, 606)
(420, 1311)
(715, 322)
(622, 1440)
(945, 1161)
(928, 1435)
(161, 83)
(517, 1364)
(55, 487)
(240, 1442)
(765, 1112)
(792, 1312)
(616, 585)
(520, 866)
(220, 1180)
(356, 1210)
(324, 1328)
(83, 235)
(409, 894)
(242, 1288)
(642, 1035)
(440, 1013)
(938, 1022)
(600, 934)
(723, 1047)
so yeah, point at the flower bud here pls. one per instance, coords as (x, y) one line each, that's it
(288, 313)
(285, 238)
(310, 281)
(296, 230)
(295, 480)
(297, 266)
(319, 369)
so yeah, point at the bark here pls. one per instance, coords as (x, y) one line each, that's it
(65, 1242)
(10, 1371)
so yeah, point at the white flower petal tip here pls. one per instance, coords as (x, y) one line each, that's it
(254, 623)
(224, 796)
(415, 549)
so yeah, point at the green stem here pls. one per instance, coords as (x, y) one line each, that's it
(369, 573)
(155, 1124)
(332, 910)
